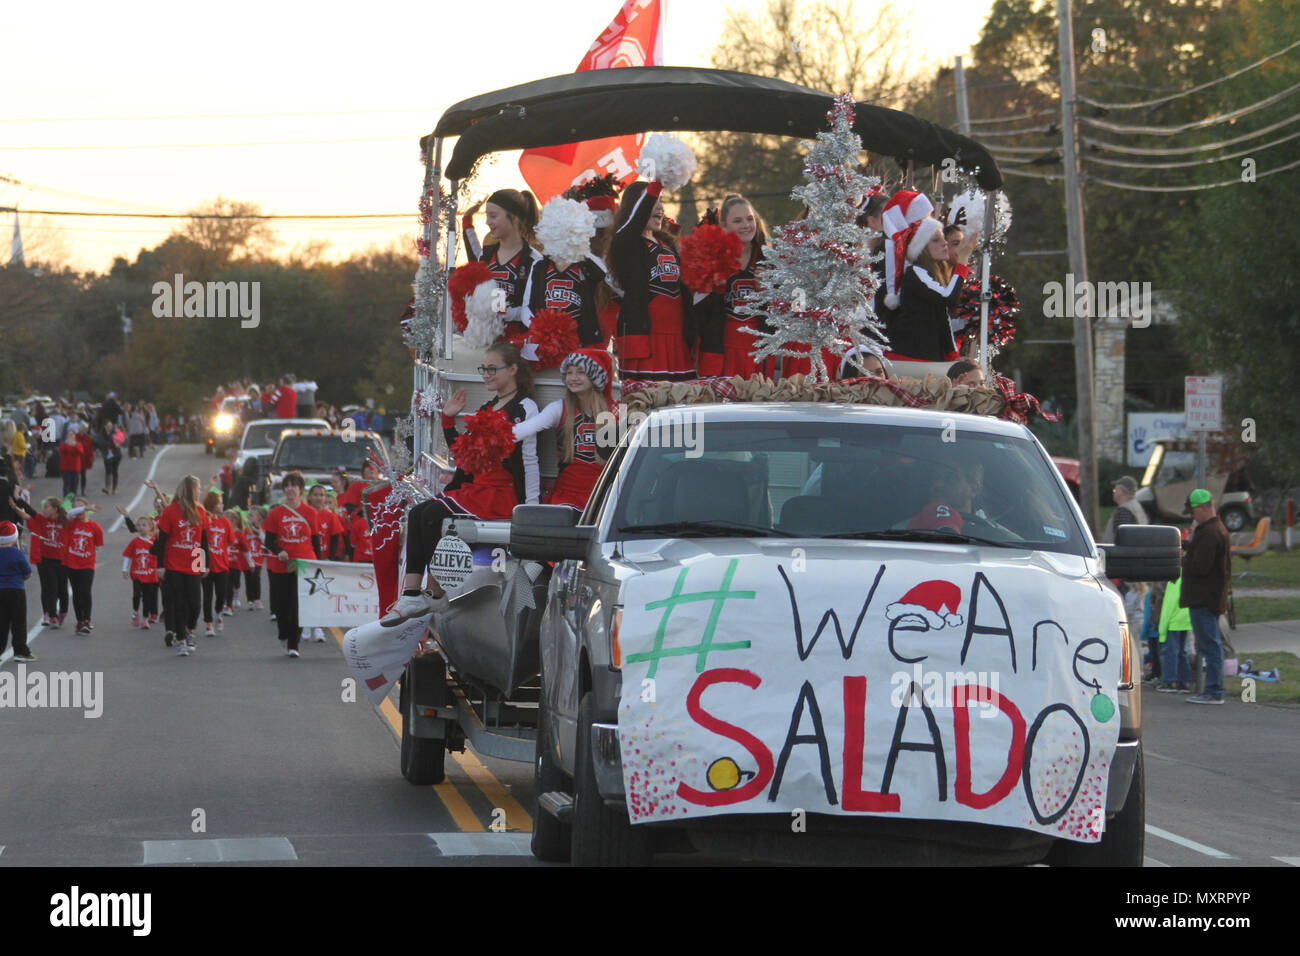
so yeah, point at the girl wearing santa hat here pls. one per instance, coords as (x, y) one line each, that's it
(511, 216)
(588, 376)
(652, 327)
(490, 495)
(921, 330)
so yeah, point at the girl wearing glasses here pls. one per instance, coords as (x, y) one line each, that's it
(488, 495)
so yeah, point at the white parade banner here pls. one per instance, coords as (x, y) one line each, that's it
(336, 593)
(766, 685)
(1203, 400)
(377, 655)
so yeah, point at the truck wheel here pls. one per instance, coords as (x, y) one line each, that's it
(1234, 519)
(552, 840)
(1123, 842)
(422, 758)
(602, 836)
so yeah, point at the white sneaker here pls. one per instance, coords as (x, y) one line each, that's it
(183, 650)
(410, 606)
(235, 603)
(221, 625)
(305, 635)
(318, 635)
(292, 652)
(207, 631)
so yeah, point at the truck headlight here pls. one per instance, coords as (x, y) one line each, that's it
(224, 422)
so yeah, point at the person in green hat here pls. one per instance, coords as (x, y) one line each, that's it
(1207, 568)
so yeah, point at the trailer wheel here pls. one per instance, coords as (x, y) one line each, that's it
(422, 758)
(552, 840)
(1123, 843)
(602, 836)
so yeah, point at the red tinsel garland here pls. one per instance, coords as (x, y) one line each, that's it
(489, 437)
(556, 335)
(710, 256)
(1004, 306)
(463, 281)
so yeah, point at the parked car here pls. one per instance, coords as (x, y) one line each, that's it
(1171, 475)
(735, 631)
(317, 453)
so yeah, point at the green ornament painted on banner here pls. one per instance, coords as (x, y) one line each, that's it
(1103, 708)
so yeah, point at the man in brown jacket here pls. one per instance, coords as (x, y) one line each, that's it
(1207, 567)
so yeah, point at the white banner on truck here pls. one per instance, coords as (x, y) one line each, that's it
(766, 685)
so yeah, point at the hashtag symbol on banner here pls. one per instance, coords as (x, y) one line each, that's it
(706, 645)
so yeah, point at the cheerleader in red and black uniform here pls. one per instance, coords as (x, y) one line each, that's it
(579, 416)
(725, 348)
(488, 495)
(571, 288)
(511, 216)
(652, 332)
(921, 329)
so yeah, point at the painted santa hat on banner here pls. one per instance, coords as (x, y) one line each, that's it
(8, 533)
(900, 217)
(597, 365)
(935, 602)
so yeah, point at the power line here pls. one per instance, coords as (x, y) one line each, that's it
(1198, 124)
(1180, 150)
(1194, 89)
(282, 142)
(1009, 119)
(1187, 189)
(189, 116)
(206, 215)
(1191, 162)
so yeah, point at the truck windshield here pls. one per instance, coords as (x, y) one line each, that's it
(847, 481)
(322, 452)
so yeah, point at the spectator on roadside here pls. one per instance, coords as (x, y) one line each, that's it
(1207, 569)
(151, 424)
(70, 461)
(1175, 622)
(1128, 510)
(136, 427)
(111, 452)
(305, 393)
(110, 411)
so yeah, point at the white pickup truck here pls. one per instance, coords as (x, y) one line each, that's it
(836, 633)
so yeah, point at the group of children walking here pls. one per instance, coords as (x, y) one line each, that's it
(188, 555)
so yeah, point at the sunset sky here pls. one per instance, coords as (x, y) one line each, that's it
(139, 106)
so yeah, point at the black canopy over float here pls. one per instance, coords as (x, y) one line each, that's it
(599, 103)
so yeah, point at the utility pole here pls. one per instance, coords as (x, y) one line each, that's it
(963, 111)
(1078, 270)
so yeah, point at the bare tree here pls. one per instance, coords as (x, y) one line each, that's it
(227, 230)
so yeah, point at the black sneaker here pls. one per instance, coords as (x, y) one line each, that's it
(168, 639)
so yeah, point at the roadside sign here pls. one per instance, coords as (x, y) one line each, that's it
(1147, 428)
(1203, 396)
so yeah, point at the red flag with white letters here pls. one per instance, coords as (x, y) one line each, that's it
(635, 38)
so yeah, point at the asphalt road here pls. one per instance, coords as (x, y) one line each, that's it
(241, 755)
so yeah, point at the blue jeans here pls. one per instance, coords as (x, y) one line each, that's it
(1209, 644)
(1174, 666)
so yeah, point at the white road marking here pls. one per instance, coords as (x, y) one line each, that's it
(1148, 861)
(8, 655)
(1190, 844)
(483, 844)
(250, 850)
(117, 525)
(1288, 860)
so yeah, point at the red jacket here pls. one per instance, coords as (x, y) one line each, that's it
(286, 402)
(69, 456)
(87, 450)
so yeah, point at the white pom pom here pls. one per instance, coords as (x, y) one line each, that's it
(967, 211)
(892, 300)
(667, 159)
(565, 230)
(483, 323)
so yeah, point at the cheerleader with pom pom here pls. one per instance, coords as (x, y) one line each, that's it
(511, 217)
(496, 473)
(652, 333)
(725, 348)
(588, 379)
(567, 279)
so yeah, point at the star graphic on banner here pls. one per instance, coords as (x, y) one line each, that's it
(318, 582)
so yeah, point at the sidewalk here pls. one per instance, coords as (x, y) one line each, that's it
(1265, 636)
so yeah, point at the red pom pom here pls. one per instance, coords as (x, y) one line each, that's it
(489, 438)
(710, 256)
(463, 281)
(556, 335)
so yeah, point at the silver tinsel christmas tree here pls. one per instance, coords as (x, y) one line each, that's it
(815, 283)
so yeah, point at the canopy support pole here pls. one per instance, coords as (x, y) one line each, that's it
(986, 254)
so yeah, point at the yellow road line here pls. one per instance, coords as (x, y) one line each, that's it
(451, 798)
(517, 818)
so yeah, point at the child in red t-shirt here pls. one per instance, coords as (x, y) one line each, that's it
(289, 531)
(216, 583)
(82, 539)
(181, 541)
(141, 567)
